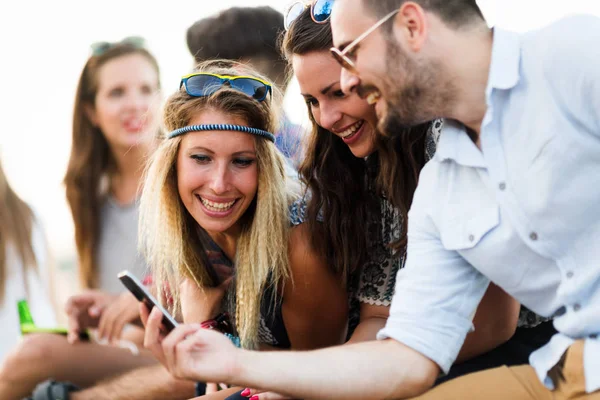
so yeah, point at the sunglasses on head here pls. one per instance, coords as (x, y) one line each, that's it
(99, 48)
(202, 84)
(320, 11)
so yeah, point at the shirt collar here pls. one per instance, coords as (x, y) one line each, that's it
(506, 60)
(456, 145)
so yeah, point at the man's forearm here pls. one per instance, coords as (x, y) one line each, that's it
(148, 383)
(369, 370)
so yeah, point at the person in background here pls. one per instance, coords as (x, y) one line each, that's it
(250, 35)
(24, 267)
(114, 128)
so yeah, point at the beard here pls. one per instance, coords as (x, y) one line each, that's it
(416, 91)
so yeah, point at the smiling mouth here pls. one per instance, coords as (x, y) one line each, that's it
(351, 131)
(134, 124)
(216, 206)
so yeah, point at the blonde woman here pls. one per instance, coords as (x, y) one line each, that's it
(24, 266)
(216, 205)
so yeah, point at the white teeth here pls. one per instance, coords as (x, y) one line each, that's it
(211, 205)
(373, 97)
(352, 130)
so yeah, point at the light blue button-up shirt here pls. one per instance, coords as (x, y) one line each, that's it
(524, 212)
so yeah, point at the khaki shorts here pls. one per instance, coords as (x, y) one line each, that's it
(519, 383)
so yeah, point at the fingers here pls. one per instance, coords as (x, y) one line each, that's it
(270, 396)
(211, 388)
(73, 328)
(256, 394)
(172, 341)
(112, 322)
(76, 308)
(152, 336)
(105, 321)
(75, 303)
(144, 313)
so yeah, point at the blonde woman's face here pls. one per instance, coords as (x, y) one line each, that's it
(217, 173)
(127, 101)
(347, 116)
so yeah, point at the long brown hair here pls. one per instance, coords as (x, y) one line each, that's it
(340, 183)
(16, 225)
(173, 242)
(91, 161)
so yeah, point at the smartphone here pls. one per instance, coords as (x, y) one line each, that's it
(140, 293)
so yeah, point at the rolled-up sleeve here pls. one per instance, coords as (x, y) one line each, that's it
(436, 294)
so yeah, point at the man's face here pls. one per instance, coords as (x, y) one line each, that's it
(407, 87)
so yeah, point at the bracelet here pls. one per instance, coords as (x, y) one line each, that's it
(234, 339)
(222, 324)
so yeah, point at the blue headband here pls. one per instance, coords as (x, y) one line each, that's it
(222, 127)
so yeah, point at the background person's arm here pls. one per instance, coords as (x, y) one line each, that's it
(315, 301)
(495, 323)
(372, 320)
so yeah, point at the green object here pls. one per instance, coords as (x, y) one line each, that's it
(28, 325)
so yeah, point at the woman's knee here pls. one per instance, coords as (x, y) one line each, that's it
(34, 353)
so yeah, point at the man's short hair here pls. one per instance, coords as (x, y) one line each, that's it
(241, 33)
(455, 13)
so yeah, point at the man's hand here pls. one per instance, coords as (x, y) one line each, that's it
(189, 351)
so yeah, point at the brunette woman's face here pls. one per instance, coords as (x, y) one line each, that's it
(347, 116)
(217, 173)
(126, 104)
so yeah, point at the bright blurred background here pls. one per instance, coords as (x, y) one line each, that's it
(44, 46)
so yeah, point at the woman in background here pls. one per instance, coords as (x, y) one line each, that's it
(24, 267)
(114, 125)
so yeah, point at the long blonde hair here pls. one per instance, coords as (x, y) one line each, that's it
(91, 161)
(171, 239)
(16, 225)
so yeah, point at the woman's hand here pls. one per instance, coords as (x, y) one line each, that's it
(255, 394)
(190, 352)
(115, 315)
(84, 311)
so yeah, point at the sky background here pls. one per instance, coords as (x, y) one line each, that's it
(44, 45)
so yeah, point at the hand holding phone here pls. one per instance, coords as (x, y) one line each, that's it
(141, 293)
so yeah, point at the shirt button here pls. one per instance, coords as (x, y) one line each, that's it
(533, 236)
(471, 238)
(502, 186)
(570, 274)
(577, 307)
